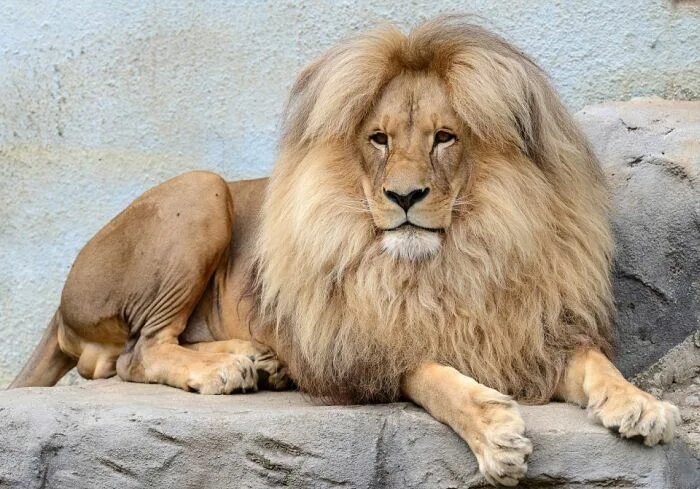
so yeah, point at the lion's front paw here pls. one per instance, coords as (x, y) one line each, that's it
(272, 373)
(499, 444)
(223, 374)
(635, 413)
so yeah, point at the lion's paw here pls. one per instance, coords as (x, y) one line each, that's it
(226, 374)
(272, 373)
(501, 447)
(634, 413)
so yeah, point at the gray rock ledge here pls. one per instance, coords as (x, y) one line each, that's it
(112, 434)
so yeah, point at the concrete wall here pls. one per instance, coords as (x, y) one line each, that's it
(97, 102)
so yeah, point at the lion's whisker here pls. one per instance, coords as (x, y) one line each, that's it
(358, 207)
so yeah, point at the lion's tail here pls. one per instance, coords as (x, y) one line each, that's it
(48, 363)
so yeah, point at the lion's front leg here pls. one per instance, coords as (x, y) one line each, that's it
(591, 380)
(271, 372)
(487, 420)
(158, 358)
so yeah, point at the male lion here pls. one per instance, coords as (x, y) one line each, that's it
(436, 227)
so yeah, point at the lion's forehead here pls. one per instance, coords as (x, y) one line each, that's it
(414, 102)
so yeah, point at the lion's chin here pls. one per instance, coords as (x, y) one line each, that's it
(411, 244)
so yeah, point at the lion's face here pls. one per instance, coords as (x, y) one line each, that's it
(413, 151)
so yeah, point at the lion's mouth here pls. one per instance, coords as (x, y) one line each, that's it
(411, 225)
(412, 242)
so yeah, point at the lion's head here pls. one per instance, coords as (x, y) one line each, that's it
(432, 200)
(412, 145)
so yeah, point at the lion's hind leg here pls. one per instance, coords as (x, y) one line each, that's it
(271, 372)
(592, 381)
(133, 287)
(96, 353)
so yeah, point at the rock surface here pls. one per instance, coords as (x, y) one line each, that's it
(113, 434)
(650, 151)
(676, 378)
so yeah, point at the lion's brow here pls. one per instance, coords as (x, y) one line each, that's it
(410, 107)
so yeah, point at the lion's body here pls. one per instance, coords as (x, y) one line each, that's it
(435, 227)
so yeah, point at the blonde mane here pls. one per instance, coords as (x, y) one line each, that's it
(523, 276)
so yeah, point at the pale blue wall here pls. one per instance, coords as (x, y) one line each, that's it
(100, 100)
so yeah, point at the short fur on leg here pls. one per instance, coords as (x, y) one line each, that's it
(593, 382)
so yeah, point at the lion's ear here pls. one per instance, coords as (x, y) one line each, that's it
(548, 135)
(489, 92)
(300, 103)
(527, 121)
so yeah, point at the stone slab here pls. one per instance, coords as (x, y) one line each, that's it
(113, 434)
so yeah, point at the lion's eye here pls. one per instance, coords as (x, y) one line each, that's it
(379, 139)
(443, 137)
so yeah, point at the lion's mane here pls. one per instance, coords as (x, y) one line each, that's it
(523, 275)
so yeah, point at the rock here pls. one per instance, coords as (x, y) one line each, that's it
(115, 434)
(650, 151)
(681, 365)
(676, 378)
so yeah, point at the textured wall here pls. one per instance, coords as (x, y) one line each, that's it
(98, 103)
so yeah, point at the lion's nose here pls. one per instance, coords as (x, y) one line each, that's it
(405, 201)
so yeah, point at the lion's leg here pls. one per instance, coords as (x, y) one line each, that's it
(272, 374)
(133, 287)
(592, 381)
(159, 359)
(486, 419)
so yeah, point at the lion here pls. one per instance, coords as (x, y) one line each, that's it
(435, 229)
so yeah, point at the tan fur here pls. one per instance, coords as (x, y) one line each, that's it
(487, 420)
(593, 382)
(522, 278)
